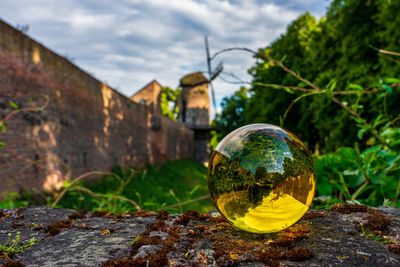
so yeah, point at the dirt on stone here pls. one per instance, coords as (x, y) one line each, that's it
(394, 248)
(104, 214)
(194, 239)
(312, 214)
(12, 263)
(377, 223)
(78, 215)
(248, 248)
(55, 228)
(348, 208)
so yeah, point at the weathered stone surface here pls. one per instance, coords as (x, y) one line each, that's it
(329, 238)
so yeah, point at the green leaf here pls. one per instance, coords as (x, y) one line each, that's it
(2, 144)
(3, 127)
(194, 189)
(370, 155)
(389, 132)
(14, 105)
(375, 198)
(347, 153)
(361, 132)
(332, 85)
(387, 88)
(339, 186)
(378, 178)
(324, 188)
(288, 90)
(350, 172)
(358, 120)
(66, 184)
(392, 80)
(355, 87)
(379, 120)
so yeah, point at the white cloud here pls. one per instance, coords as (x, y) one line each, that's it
(128, 43)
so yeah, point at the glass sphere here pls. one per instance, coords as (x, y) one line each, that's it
(261, 178)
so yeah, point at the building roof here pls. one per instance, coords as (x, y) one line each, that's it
(147, 87)
(149, 95)
(193, 79)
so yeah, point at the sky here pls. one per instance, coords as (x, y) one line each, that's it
(128, 43)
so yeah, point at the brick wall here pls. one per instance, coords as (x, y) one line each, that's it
(86, 126)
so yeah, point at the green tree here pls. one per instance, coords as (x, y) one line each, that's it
(169, 102)
(231, 116)
(268, 104)
(340, 52)
(389, 32)
(344, 53)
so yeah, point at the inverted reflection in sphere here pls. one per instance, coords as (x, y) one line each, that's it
(261, 178)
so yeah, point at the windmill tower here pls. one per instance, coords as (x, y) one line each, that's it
(194, 112)
(194, 106)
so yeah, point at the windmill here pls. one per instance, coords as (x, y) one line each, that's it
(212, 74)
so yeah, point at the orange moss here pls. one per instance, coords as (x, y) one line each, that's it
(55, 228)
(376, 221)
(163, 215)
(142, 213)
(297, 254)
(228, 250)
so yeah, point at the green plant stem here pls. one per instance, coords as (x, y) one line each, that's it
(13, 113)
(100, 196)
(389, 52)
(295, 88)
(359, 190)
(127, 181)
(177, 200)
(396, 194)
(393, 121)
(184, 203)
(385, 109)
(81, 177)
(344, 185)
(294, 102)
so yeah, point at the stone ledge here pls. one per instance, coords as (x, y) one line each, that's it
(321, 238)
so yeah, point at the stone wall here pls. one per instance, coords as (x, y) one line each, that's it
(86, 125)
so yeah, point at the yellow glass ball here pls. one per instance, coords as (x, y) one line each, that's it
(261, 178)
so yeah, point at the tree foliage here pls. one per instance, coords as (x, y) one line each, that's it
(169, 102)
(339, 52)
(231, 116)
(335, 83)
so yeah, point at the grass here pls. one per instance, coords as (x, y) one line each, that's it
(10, 248)
(376, 238)
(153, 188)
